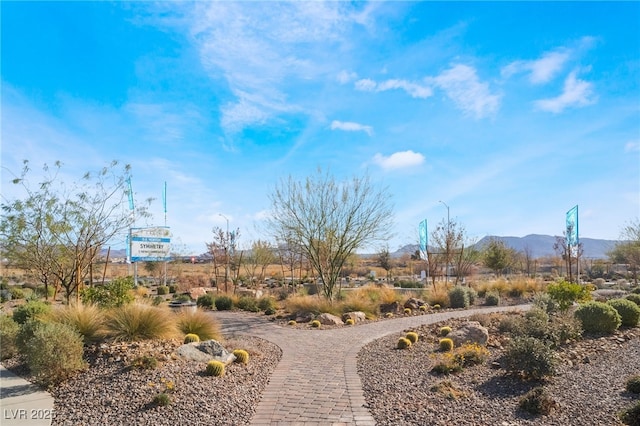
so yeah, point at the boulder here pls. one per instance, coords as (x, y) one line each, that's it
(329, 319)
(414, 304)
(470, 332)
(304, 317)
(356, 316)
(205, 351)
(390, 307)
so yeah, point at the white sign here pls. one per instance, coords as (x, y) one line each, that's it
(150, 244)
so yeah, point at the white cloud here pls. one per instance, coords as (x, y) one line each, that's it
(575, 93)
(541, 70)
(468, 93)
(412, 89)
(399, 160)
(349, 126)
(345, 77)
(632, 146)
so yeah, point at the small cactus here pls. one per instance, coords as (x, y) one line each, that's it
(412, 336)
(349, 321)
(407, 311)
(444, 331)
(215, 368)
(242, 356)
(423, 308)
(388, 315)
(315, 323)
(404, 343)
(436, 306)
(446, 345)
(191, 337)
(292, 322)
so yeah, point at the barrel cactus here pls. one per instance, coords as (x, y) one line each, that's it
(215, 368)
(404, 343)
(191, 337)
(412, 336)
(242, 356)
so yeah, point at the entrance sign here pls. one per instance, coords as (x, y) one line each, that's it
(150, 244)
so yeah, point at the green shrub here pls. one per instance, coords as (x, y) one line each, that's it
(173, 288)
(635, 298)
(242, 356)
(447, 363)
(444, 331)
(140, 322)
(631, 416)
(215, 368)
(162, 290)
(412, 336)
(30, 310)
(629, 312)
(182, 298)
(115, 293)
(545, 302)
(563, 328)
(537, 402)
(492, 298)
(471, 354)
(633, 384)
(248, 303)
(206, 301)
(530, 358)
(191, 338)
(598, 317)
(198, 322)
(459, 297)
(162, 399)
(445, 345)
(16, 293)
(565, 293)
(8, 334)
(267, 303)
(472, 294)
(315, 323)
(403, 343)
(54, 353)
(636, 290)
(145, 362)
(224, 303)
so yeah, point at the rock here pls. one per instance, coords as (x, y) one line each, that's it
(470, 332)
(304, 316)
(356, 316)
(329, 319)
(205, 351)
(414, 304)
(390, 307)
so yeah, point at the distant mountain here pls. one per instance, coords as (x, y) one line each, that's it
(539, 245)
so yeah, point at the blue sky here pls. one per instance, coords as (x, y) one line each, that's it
(510, 113)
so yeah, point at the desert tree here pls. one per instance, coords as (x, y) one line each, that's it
(257, 259)
(627, 250)
(497, 256)
(383, 260)
(570, 254)
(447, 241)
(330, 220)
(56, 229)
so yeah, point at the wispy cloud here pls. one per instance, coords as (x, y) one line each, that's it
(575, 93)
(345, 77)
(349, 126)
(399, 160)
(414, 90)
(468, 93)
(541, 70)
(632, 146)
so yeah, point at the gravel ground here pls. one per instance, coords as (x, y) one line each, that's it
(589, 388)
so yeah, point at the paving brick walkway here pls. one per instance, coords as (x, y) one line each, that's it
(316, 381)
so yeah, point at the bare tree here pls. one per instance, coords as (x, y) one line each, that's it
(447, 239)
(329, 220)
(569, 254)
(627, 250)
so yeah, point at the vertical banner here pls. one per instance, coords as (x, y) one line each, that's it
(572, 227)
(130, 191)
(423, 237)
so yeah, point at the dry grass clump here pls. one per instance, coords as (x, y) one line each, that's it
(87, 320)
(139, 321)
(198, 322)
(315, 304)
(516, 287)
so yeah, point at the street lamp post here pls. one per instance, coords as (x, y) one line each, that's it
(226, 254)
(447, 241)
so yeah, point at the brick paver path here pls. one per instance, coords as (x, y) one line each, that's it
(316, 381)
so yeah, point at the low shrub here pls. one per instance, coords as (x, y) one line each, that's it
(629, 312)
(54, 353)
(198, 322)
(472, 294)
(87, 320)
(224, 303)
(173, 288)
(445, 345)
(115, 293)
(412, 336)
(492, 298)
(191, 338)
(8, 334)
(471, 354)
(162, 399)
(537, 402)
(598, 317)
(545, 302)
(206, 301)
(162, 290)
(242, 356)
(403, 343)
(16, 293)
(633, 384)
(145, 362)
(267, 303)
(140, 322)
(248, 303)
(635, 298)
(631, 416)
(530, 358)
(565, 293)
(215, 368)
(444, 331)
(459, 297)
(30, 310)
(447, 363)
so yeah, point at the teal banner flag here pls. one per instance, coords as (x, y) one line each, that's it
(130, 194)
(423, 236)
(572, 227)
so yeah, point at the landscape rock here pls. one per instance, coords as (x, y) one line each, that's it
(356, 316)
(390, 308)
(469, 332)
(304, 317)
(329, 319)
(414, 304)
(205, 351)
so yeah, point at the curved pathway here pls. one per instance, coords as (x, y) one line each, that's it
(316, 381)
